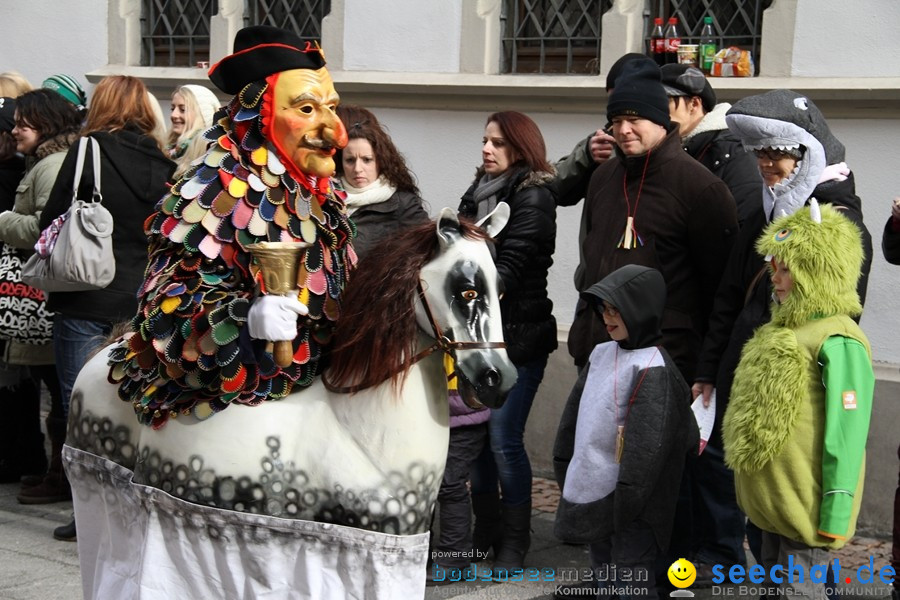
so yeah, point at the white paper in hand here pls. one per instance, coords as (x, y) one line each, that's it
(706, 418)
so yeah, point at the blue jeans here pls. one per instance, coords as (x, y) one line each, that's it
(505, 459)
(73, 342)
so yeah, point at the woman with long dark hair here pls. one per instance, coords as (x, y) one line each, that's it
(382, 195)
(45, 127)
(514, 170)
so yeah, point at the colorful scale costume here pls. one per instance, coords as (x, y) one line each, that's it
(189, 351)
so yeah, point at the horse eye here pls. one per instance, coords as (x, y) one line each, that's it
(469, 295)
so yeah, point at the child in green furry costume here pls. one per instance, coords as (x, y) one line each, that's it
(795, 430)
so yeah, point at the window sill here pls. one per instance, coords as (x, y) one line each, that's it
(859, 97)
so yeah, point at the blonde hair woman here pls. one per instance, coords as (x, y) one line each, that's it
(13, 84)
(193, 107)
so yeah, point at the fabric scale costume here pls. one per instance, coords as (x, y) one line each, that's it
(190, 351)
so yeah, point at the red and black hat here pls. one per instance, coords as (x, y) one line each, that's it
(260, 51)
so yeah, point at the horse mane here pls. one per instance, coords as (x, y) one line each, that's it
(376, 335)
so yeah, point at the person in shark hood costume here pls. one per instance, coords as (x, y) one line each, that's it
(624, 508)
(780, 120)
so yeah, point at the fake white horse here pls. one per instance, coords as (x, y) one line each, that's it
(325, 494)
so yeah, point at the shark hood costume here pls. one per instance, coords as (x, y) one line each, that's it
(190, 352)
(788, 121)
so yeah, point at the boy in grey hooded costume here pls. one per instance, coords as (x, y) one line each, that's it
(624, 509)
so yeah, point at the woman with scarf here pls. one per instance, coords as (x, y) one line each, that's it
(382, 196)
(514, 170)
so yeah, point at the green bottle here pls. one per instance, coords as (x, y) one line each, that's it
(707, 45)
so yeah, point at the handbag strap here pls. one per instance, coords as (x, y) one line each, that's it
(83, 144)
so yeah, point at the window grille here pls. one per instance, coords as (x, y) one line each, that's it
(551, 36)
(735, 22)
(175, 33)
(303, 17)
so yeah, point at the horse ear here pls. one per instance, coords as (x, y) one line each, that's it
(447, 226)
(496, 221)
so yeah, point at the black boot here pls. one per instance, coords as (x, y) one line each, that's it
(516, 537)
(488, 529)
(55, 486)
(21, 441)
(65, 533)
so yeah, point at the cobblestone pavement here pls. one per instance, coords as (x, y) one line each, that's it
(545, 496)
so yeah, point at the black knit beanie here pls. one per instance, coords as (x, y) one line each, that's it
(639, 93)
(616, 69)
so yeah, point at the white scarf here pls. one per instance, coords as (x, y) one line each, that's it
(376, 192)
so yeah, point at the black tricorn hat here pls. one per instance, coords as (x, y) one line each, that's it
(260, 51)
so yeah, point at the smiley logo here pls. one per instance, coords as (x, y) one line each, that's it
(682, 573)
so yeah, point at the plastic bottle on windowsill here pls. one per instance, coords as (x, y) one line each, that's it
(673, 41)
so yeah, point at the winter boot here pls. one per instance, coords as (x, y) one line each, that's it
(65, 533)
(488, 524)
(516, 537)
(55, 486)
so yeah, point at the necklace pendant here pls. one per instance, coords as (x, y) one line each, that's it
(630, 238)
(620, 442)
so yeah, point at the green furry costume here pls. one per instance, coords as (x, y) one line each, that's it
(796, 427)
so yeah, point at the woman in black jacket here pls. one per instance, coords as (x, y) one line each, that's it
(133, 174)
(514, 170)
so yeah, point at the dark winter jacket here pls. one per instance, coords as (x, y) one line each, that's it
(374, 222)
(890, 241)
(743, 299)
(686, 220)
(660, 429)
(720, 151)
(133, 173)
(573, 173)
(524, 253)
(11, 173)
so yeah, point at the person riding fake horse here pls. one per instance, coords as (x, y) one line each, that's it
(200, 337)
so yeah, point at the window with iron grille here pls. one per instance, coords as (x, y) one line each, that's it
(735, 22)
(303, 17)
(175, 33)
(551, 36)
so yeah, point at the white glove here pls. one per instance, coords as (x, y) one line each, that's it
(274, 318)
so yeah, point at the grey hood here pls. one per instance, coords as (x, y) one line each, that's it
(639, 293)
(786, 120)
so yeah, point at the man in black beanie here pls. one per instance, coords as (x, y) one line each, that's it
(573, 172)
(655, 206)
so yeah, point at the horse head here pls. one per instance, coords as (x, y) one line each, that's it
(459, 304)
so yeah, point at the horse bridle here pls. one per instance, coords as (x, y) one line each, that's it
(441, 342)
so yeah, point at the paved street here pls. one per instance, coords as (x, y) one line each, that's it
(34, 566)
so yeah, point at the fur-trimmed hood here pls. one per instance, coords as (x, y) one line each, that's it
(531, 179)
(824, 260)
(59, 143)
(714, 120)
